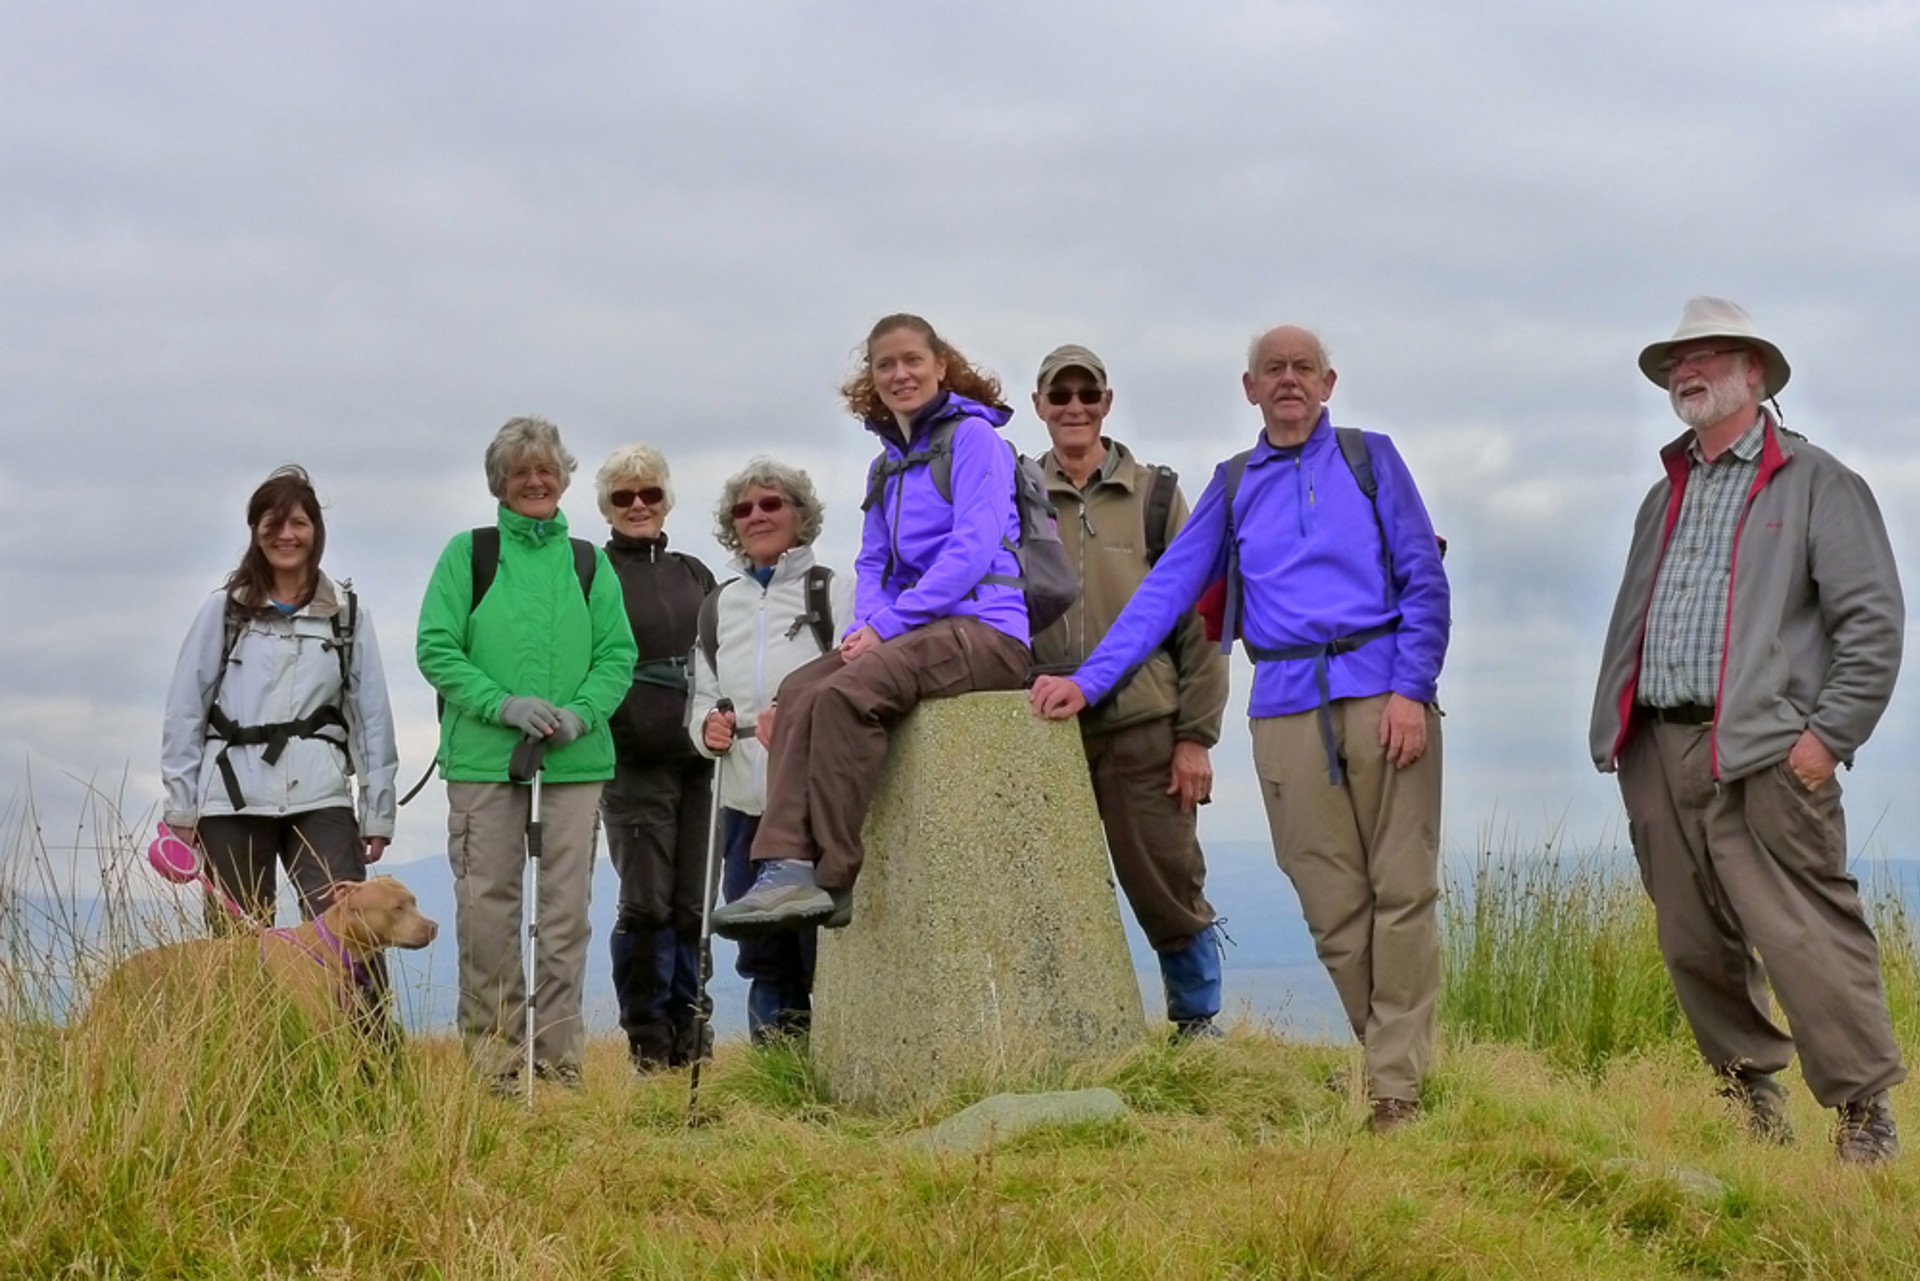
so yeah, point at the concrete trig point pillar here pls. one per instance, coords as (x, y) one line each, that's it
(986, 939)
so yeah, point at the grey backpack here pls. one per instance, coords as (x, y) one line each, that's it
(1047, 578)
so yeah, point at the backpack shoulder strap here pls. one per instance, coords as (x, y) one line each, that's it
(820, 605)
(585, 565)
(1230, 618)
(1353, 448)
(941, 464)
(1159, 510)
(707, 627)
(486, 563)
(343, 634)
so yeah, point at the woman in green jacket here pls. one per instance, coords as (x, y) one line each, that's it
(524, 634)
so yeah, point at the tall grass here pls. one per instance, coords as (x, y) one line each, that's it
(1561, 954)
(1556, 954)
(229, 1138)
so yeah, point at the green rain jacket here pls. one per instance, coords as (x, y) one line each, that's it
(533, 633)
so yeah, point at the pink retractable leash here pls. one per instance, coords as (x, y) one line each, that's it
(179, 863)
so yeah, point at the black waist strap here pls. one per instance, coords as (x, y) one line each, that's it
(670, 673)
(275, 736)
(1320, 652)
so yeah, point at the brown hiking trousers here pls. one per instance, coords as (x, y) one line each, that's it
(1155, 848)
(831, 732)
(1749, 884)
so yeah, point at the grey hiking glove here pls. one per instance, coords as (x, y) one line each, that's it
(571, 727)
(534, 717)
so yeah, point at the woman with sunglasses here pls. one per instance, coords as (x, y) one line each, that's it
(523, 635)
(938, 613)
(778, 615)
(658, 806)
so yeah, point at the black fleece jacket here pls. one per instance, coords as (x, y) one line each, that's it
(663, 591)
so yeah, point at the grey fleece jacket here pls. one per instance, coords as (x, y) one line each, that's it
(1814, 612)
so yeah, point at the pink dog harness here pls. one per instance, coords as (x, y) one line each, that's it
(356, 969)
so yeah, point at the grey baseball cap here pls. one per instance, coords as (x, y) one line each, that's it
(1071, 356)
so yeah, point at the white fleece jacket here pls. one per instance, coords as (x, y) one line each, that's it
(281, 669)
(758, 646)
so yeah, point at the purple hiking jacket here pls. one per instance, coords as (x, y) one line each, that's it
(922, 557)
(1310, 560)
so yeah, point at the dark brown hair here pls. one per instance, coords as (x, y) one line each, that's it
(863, 398)
(251, 584)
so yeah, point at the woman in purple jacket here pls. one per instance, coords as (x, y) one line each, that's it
(938, 612)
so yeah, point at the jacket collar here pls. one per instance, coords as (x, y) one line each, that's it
(325, 602)
(1265, 451)
(1776, 451)
(948, 404)
(793, 563)
(525, 529)
(653, 548)
(1117, 468)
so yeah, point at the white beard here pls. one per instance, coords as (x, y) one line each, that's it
(1724, 395)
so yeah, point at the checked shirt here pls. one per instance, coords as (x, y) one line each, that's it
(1687, 618)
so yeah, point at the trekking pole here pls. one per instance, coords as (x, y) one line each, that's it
(526, 766)
(702, 1006)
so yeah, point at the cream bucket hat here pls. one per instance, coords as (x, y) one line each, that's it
(1718, 318)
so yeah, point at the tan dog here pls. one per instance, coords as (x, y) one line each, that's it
(322, 964)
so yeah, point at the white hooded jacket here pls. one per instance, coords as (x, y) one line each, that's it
(759, 645)
(282, 668)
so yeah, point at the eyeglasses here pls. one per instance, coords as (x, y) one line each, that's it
(651, 496)
(1067, 395)
(768, 503)
(1699, 356)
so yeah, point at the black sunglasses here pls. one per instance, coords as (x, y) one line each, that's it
(1067, 395)
(768, 503)
(651, 495)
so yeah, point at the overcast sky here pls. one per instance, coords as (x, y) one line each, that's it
(362, 236)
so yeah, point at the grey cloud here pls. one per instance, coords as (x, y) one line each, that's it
(361, 237)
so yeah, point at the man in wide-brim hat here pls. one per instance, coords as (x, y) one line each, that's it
(1753, 647)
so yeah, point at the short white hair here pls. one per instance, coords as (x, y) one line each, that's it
(1319, 346)
(636, 462)
(519, 440)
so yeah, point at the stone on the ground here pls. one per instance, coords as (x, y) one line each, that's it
(1002, 1116)
(1697, 1184)
(986, 941)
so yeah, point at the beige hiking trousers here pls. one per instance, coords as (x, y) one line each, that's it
(486, 843)
(1364, 856)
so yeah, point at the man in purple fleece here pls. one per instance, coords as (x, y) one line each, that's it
(1344, 608)
(939, 611)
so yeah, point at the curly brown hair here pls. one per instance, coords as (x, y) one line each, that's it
(863, 398)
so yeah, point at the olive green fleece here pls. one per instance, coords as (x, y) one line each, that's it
(533, 634)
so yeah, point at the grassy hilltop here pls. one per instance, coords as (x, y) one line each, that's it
(1571, 1133)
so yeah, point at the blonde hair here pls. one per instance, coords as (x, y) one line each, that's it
(632, 462)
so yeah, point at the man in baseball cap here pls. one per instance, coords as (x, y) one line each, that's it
(1147, 744)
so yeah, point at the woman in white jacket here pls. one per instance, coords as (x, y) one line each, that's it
(278, 702)
(783, 611)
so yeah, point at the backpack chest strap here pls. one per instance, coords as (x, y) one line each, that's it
(274, 736)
